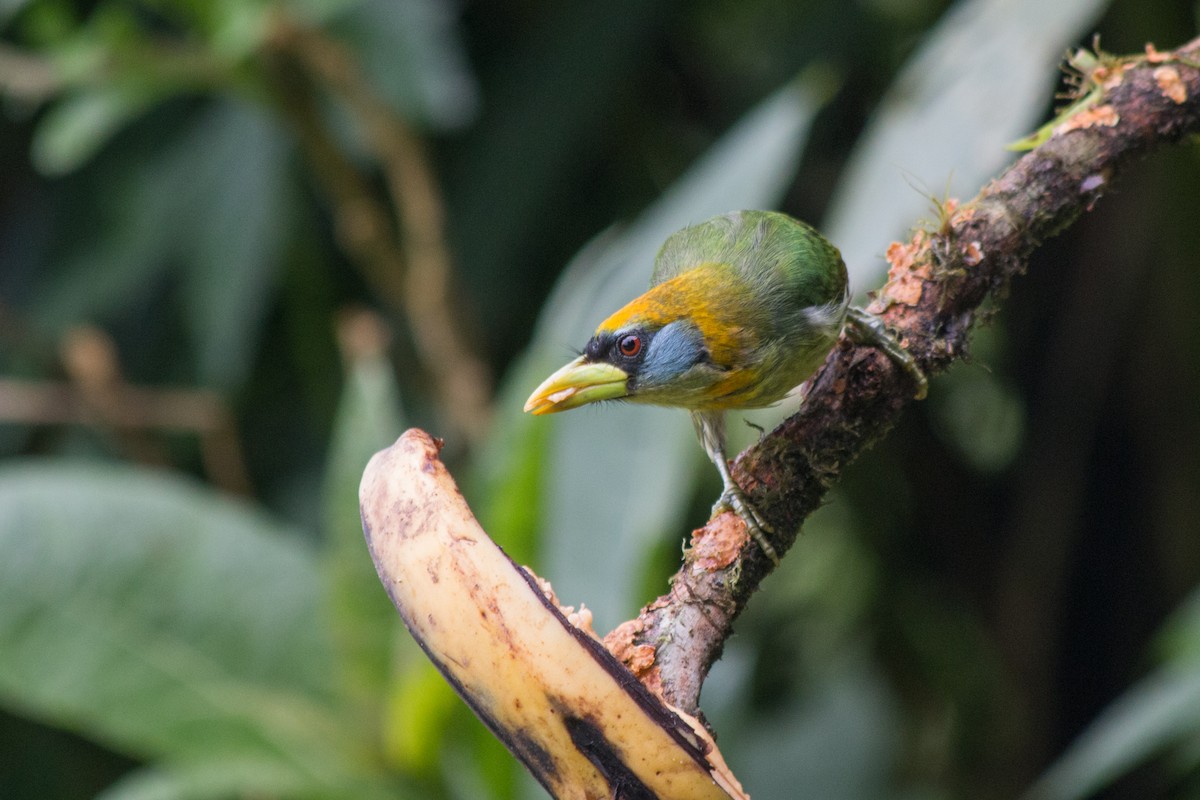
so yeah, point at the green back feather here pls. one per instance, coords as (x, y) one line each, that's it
(786, 261)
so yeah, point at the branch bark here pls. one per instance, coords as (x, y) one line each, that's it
(937, 285)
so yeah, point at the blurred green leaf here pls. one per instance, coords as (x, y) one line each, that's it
(208, 780)
(230, 777)
(1159, 713)
(215, 204)
(615, 481)
(321, 11)
(158, 618)
(976, 409)
(1161, 710)
(116, 258)
(364, 623)
(550, 97)
(418, 709)
(980, 417)
(233, 29)
(834, 582)
(507, 474)
(231, 240)
(982, 78)
(9, 9)
(839, 740)
(85, 48)
(82, 122)
(1178, 643)
(413, 55)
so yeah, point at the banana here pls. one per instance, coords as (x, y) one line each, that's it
(577, 718)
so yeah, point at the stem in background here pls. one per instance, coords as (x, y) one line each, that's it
(27, 77)
(416, 274)
(98, 396)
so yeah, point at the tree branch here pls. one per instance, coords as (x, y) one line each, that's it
(937, 284)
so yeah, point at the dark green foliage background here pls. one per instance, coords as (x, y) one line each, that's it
(1004, 591)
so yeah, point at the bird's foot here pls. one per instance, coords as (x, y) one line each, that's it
(735, 500)
(867, 329)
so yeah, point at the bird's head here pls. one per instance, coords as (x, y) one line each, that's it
(673, 346)
(743, 307)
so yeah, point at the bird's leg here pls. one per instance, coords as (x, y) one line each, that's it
(710, 428)
(865, 328)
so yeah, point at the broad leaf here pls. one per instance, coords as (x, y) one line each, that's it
(982, 78)
(212, 204)
(364, 622)
(82, 122)
(235, 159)
(1160, 711)
(413, 55)
(164, 621)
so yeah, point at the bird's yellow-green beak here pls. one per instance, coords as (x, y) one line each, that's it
(576, 384)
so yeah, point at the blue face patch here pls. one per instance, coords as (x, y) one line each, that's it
(673, 350)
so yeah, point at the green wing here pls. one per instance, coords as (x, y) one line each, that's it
(788, 262)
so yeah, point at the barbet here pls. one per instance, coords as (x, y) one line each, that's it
(741, 309)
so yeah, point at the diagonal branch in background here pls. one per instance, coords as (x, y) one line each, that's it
(415, 273)
(97, 395)
(26, 77)
(937, 285)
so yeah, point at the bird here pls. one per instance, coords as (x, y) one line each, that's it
(742, 308)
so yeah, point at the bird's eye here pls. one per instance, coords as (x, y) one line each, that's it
(630, 345)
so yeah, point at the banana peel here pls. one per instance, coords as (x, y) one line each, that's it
(576, 717)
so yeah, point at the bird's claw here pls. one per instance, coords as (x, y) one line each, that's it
(734, 499)
(866, 328)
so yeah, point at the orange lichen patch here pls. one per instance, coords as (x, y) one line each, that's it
(1108, 76)
(1104, 115)
(972, 254)
(1155, 57)
(963, 215)
(907, 289)
(1171, 85)
(901, 256)
(639, 658)
(716, 545)
(907, 274)
(652, 680)
(620, 639)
